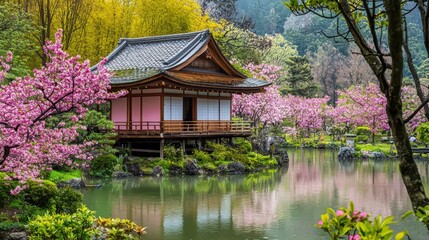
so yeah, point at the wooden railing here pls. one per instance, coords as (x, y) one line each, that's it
(182, 127)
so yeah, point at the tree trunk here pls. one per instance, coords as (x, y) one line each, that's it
(407, 166)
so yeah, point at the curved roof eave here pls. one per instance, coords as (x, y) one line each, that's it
(258, 88)
(111, 55)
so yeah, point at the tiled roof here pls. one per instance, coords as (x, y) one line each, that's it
(252, 82)
(160, 52)
(136, 59)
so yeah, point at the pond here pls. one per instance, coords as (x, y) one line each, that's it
(274, 204)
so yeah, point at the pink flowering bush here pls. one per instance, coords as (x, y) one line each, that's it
(355, 225)
(64, 85)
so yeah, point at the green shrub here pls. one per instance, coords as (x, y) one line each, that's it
(173, 154)
(29, 211)
(68, 200)
(362, 138)
(363, 130)
(209, 167)
(79, 226)
(5, 187)
(9, 226)
(423, 132)
(103, 166)
(82, 225)
(348, 223)
(165, 164)
(201, 156)
(242, 145)
(115, 228)
(41, 194)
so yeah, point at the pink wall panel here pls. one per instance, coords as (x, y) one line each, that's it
(151, 112)
(136, 109)
(119, 110)
(151, 108)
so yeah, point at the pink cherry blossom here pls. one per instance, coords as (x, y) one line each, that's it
(354, 237)
(64, 85)
(339, 213)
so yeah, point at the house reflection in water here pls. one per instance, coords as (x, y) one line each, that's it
(195, 208)
(272, 204)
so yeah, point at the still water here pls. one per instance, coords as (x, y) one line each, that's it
(275, 204)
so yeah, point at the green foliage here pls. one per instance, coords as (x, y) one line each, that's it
(422, 214)
(201, 156)
(68, 200)
(79, 226)
(9, 226)
(82, 225)
(62, 176)
(173, 154)
(362, 138)
(16, 31)
(103, 166)
(242, 145)
(220, 155)
(41, 194)
(98, 129)
(118, 229)
(209, 167)
(5, 187)
(378, 229)
(363, 130)
(241, 45)
(386, 149)
(352, 224)
(423, 132)
(300, 79)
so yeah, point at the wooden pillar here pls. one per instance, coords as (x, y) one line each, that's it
(230, 141)
(161, 149)
(199, 144)
(183, 145)
(130, 149)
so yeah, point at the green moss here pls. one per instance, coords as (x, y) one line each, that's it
(147, 171)
(386, 149)
(60, 176)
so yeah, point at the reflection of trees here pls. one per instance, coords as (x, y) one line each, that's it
(244, 206)
(371, 184)
(191, 206)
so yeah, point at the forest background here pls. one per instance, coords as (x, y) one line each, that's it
(257, 31)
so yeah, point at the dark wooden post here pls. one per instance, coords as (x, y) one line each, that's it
(184, 146)
(161, 149)
(199, 144)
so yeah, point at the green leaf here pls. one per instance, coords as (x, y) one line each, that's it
(407, 214)
(400, 235)
(345, 230)
(324, 217)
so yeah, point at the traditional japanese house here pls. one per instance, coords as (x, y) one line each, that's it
(179, 88)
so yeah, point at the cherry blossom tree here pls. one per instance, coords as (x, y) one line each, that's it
(306, 114)
(362, 106)
(366, 106)
(266, 107)
(63, 85)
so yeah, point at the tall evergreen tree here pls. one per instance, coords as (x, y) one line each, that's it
(300, 78)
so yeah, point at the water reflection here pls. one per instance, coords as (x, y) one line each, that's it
(275, 204)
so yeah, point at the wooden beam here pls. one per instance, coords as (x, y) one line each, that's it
(145, 150)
